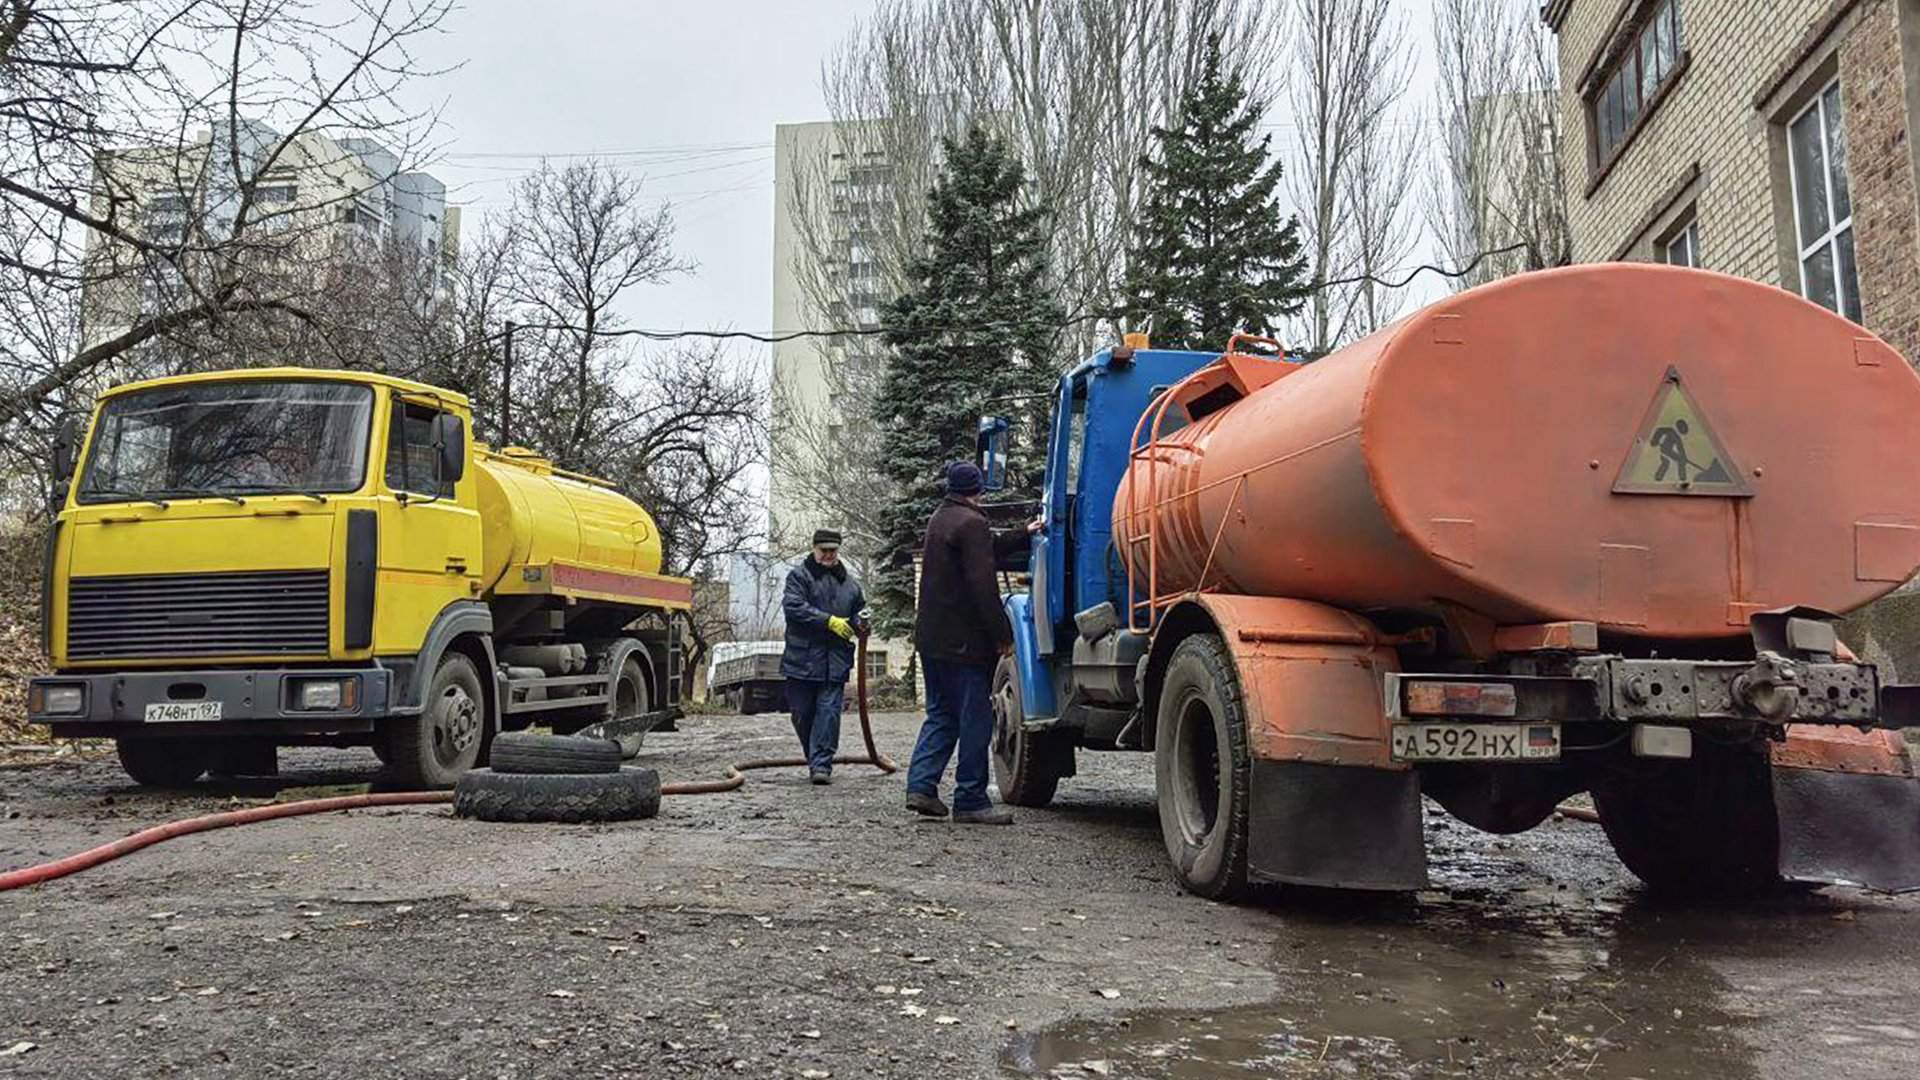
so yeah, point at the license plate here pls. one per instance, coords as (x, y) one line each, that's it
(173, 712)
(1476, 742)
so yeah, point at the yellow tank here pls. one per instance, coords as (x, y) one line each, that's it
(533, 516)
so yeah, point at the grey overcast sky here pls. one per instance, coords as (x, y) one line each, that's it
(684, 94)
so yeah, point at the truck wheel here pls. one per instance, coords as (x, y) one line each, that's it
(1027, 765)
(625, 795)
(527, 753)
(630, 698)
(163, 763)
(1704, 826)
(432, 749)
(1201, 769)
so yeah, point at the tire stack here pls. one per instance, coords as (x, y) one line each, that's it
(556, 778)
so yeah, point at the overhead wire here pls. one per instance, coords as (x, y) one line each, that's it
(775, 337)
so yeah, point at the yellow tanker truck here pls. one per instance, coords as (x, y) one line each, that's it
(251, 559)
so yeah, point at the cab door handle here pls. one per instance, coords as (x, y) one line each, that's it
(456, 566)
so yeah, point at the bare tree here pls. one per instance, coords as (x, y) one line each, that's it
(1351, 173)
(1498, 114)
(148, 145)
(680, 427)
(586, 238)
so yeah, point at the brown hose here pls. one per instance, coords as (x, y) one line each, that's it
(736, 772)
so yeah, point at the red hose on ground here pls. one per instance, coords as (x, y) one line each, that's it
(736, 772)
(73, 864)
(92, 857)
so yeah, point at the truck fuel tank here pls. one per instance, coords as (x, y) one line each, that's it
(533, 514)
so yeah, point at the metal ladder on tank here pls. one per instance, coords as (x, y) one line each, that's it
(1151, 605)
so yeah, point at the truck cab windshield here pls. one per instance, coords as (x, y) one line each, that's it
(223, 439)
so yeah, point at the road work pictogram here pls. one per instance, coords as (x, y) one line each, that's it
(1676, 452)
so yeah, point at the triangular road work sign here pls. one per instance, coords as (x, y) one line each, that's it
(1676, 451)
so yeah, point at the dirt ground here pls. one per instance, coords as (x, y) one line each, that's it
(788, 930)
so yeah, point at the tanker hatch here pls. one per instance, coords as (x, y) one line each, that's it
(1676, 451)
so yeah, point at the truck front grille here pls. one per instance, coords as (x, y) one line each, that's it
(269, 612)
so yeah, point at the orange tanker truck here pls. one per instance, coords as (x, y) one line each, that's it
(1587, 530)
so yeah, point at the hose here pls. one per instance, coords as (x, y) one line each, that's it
(735, 776)
(736, 772)
(92, 857)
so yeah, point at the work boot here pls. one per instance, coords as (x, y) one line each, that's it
(929, 805)
(991, 815)
(821, 777)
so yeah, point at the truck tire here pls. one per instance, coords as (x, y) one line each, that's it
(1027, 765)
(1701, 827)
(1202, 769)
(523, 752)
(163, 763)
(630, 698)
(432, 749)
(625, 795)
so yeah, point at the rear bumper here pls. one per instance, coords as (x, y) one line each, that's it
(252, 702)
(1771, 691)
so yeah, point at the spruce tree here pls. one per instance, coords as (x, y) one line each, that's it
(1213, 253)
(972, 336)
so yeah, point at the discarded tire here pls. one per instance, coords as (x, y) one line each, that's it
(525, 753)
(625, 795)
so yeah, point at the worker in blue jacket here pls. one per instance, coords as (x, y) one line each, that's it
(822, 604)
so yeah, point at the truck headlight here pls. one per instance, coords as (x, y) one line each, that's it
(326, 694)
(57, 700)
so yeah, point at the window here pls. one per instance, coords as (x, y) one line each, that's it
(1683, 249)
(413, 463)
(244, 437)
(1076, 437)
(1822, 205)
(1176, 417)
(876, 664)
(1637, 79)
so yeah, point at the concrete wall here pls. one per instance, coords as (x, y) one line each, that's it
(799, 366)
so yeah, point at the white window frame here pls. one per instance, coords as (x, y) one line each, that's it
(1688, 240)
(1835, 227)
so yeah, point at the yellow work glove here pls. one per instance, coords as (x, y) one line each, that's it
(840, 626)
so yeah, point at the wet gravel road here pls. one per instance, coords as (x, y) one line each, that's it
(788, 930)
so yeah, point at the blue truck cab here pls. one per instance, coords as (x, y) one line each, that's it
(1062, 691)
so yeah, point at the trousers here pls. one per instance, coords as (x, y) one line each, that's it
(959, 717)
(815, 706)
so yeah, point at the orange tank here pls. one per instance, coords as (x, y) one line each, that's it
(1661, 451)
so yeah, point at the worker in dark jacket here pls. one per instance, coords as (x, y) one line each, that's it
(961, 632)
(822, 604)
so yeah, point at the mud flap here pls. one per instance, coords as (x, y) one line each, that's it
(1336, 827)
(1848, 828)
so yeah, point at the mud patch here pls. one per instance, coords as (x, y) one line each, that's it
(1439, 990)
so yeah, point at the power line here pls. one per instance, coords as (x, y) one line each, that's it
(1524, 245)
(775, 337)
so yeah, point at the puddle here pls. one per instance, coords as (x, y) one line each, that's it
(1438, 990)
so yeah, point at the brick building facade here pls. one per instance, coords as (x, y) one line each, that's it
(1764, 138)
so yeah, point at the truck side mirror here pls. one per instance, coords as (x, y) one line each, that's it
(450, 439)
(990, 446)
(66, 447)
